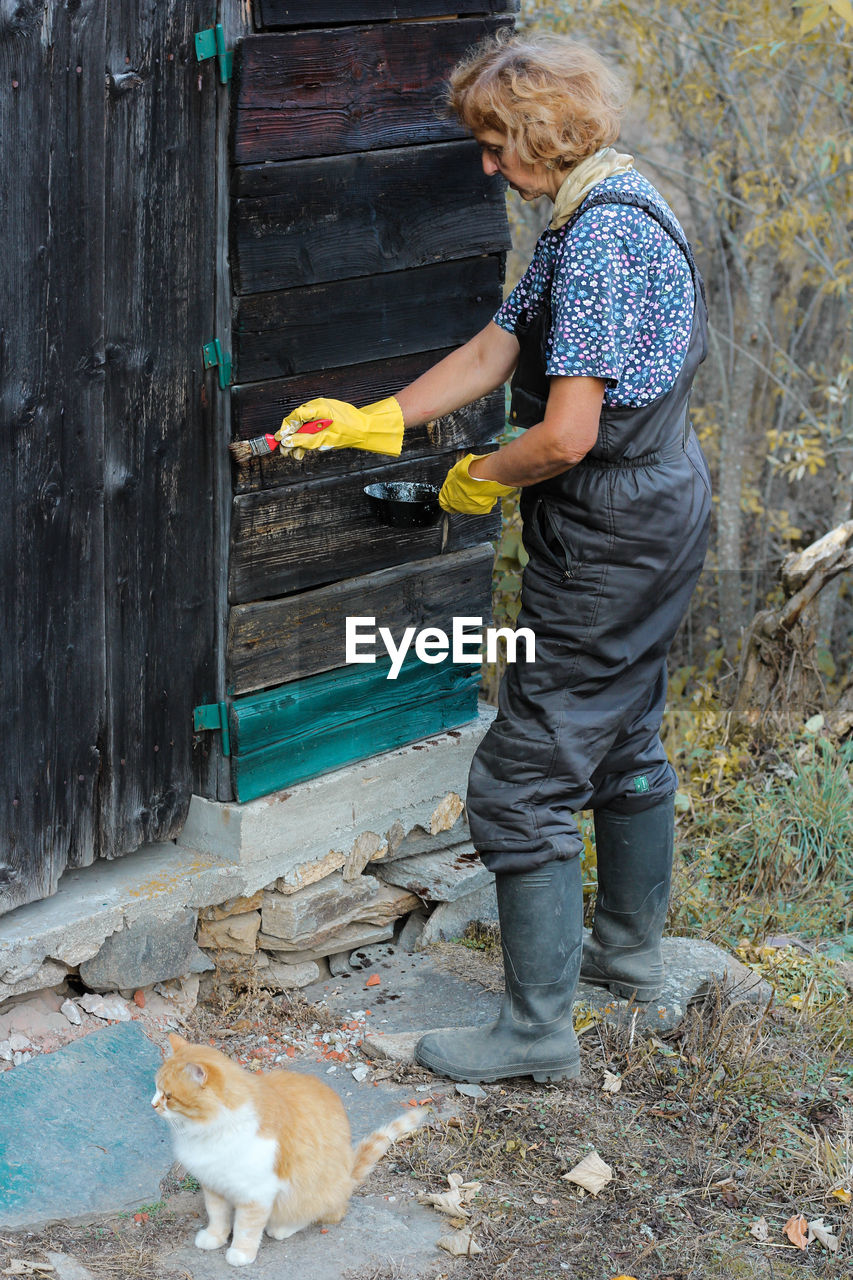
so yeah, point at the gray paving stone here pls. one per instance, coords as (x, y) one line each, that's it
(444, 876)
(146, 952)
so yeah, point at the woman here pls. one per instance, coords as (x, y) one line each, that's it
(604, 334)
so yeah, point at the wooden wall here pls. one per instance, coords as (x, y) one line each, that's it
(365, 244)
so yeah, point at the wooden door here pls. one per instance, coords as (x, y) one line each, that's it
(106, 446)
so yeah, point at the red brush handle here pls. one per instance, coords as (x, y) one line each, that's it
(311, 428)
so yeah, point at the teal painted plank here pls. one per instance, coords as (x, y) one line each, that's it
(312, 707)
(286, 763)
(311, 726)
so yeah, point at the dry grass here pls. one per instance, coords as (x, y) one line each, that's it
(739, 1114)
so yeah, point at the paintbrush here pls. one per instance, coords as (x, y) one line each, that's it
(261, 446)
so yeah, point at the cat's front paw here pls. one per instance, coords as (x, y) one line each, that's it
(239, 1257)
(207, 1239)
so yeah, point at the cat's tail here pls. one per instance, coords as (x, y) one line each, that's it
(371, 1149)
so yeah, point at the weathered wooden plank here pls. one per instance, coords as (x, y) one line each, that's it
(302, 536)
(323, 92)
(276, 641)
(306, 221)
(278, 14)
(311, 726)
(52, 668)
(345, 322)
(473, 427)
(257, 405)
(160, 289)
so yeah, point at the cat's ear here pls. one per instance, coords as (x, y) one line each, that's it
(176, 1042)
(196, 1072)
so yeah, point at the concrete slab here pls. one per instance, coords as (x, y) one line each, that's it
(77, 1132)
(330, 812)
(377, 1233)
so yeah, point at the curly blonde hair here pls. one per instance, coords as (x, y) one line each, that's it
(555, 100)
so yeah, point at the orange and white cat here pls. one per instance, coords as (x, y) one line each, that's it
(275, 1150)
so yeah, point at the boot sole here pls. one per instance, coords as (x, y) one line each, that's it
(624, 990)
(542, 1075)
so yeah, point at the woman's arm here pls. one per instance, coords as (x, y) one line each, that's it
(564, 436)
(481, 365)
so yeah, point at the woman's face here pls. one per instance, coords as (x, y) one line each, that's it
(529, 180)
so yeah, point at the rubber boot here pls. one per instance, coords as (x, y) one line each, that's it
(541, 919)
(634, 856)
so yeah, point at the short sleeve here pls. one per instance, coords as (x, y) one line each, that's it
(525, 298)
(598, 293)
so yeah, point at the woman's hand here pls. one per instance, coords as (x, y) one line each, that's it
(462, 492)
(378, 428)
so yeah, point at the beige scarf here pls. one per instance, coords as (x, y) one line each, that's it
(583, 177)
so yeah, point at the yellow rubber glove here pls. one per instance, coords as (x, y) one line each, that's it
(378, 428)
(463, 492)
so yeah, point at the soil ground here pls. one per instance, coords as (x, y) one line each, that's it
(717, 1134)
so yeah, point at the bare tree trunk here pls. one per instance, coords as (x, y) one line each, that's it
(739, 398)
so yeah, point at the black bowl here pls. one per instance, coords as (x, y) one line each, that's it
(404, 503)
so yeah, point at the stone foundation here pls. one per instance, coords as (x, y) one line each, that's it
(272, 888)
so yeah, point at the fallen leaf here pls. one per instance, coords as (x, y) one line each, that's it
(612, 1083)
(795, 1229)
(373, 981)
(540, 1200)
(818, 1231)
(584, 1017)
(452, 1202)
(592, 1174)
(624, 1278)
(842, 1194)
(760, 1230)
(461, 1244)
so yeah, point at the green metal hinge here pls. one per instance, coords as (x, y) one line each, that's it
(211, 44)
(215, 358)
(213, 715)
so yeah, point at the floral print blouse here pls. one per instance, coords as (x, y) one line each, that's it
(621, 297)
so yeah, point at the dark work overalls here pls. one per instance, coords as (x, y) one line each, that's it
(616, 545)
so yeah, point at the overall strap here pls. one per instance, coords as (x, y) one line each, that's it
(669, 225)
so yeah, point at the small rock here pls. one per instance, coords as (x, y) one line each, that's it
(451, 919)
(5, 1051)
(17, 1042)
(471, 1091)
(360, 1073)
(109, 1007)
(20, 1058)
(71, 1012)
(410, 934)
(339, 965)
(233, 933)
(279, 976)
(68, 1268)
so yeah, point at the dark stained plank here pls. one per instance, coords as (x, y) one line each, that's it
(258, 407)
(323, 92)
(302, 536)
(306, 221)
(52, 666)
(274, 641)
(272, 14)
(312, 726)
(345, 322)
(473, 427)
(159, 519)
